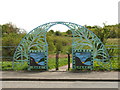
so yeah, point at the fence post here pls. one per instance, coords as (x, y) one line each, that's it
(68, 61)
(57, 57)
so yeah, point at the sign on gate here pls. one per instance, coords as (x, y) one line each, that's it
(83, 59)
(37, 60)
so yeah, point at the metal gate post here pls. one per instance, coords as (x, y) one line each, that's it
(68, 61)
(57, 57)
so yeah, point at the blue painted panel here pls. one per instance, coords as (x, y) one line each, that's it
(38, 58)
(83, 56)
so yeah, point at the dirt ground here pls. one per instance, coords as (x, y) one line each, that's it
(60, 56)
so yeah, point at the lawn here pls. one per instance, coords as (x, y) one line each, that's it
(7, 65)
(62, 61)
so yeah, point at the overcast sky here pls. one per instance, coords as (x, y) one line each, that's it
(28, 14)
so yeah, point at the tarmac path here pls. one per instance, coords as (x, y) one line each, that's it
(58, 84)
(89, 79)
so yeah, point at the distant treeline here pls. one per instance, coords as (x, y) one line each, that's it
(57, 41)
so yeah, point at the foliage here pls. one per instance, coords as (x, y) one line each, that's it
(69, 32)
(11, 28)
(105, 32)
(58, 43)
(58, 33)
(50, 33)
(11, 36)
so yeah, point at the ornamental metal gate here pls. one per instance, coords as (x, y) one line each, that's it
(86, 48)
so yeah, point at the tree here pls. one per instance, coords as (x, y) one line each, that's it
(51, 46)
(9, 28)
(118, 30)
(58, 33)
(68, 32)
(70, 50)
(59, 46)
(102, 33)
(50, 33)
(11, 36)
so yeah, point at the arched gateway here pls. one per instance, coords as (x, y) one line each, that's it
(86, 47)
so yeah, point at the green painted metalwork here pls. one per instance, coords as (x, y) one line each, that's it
(83, 39)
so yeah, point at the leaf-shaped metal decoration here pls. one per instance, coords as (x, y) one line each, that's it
(36, 40)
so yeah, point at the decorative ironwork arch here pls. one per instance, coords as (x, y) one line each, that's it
(83, 40)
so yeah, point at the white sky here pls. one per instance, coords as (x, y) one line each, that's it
(28, 14)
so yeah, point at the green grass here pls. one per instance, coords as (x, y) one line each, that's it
(114, 65)
(62, 62)
(7, 65)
